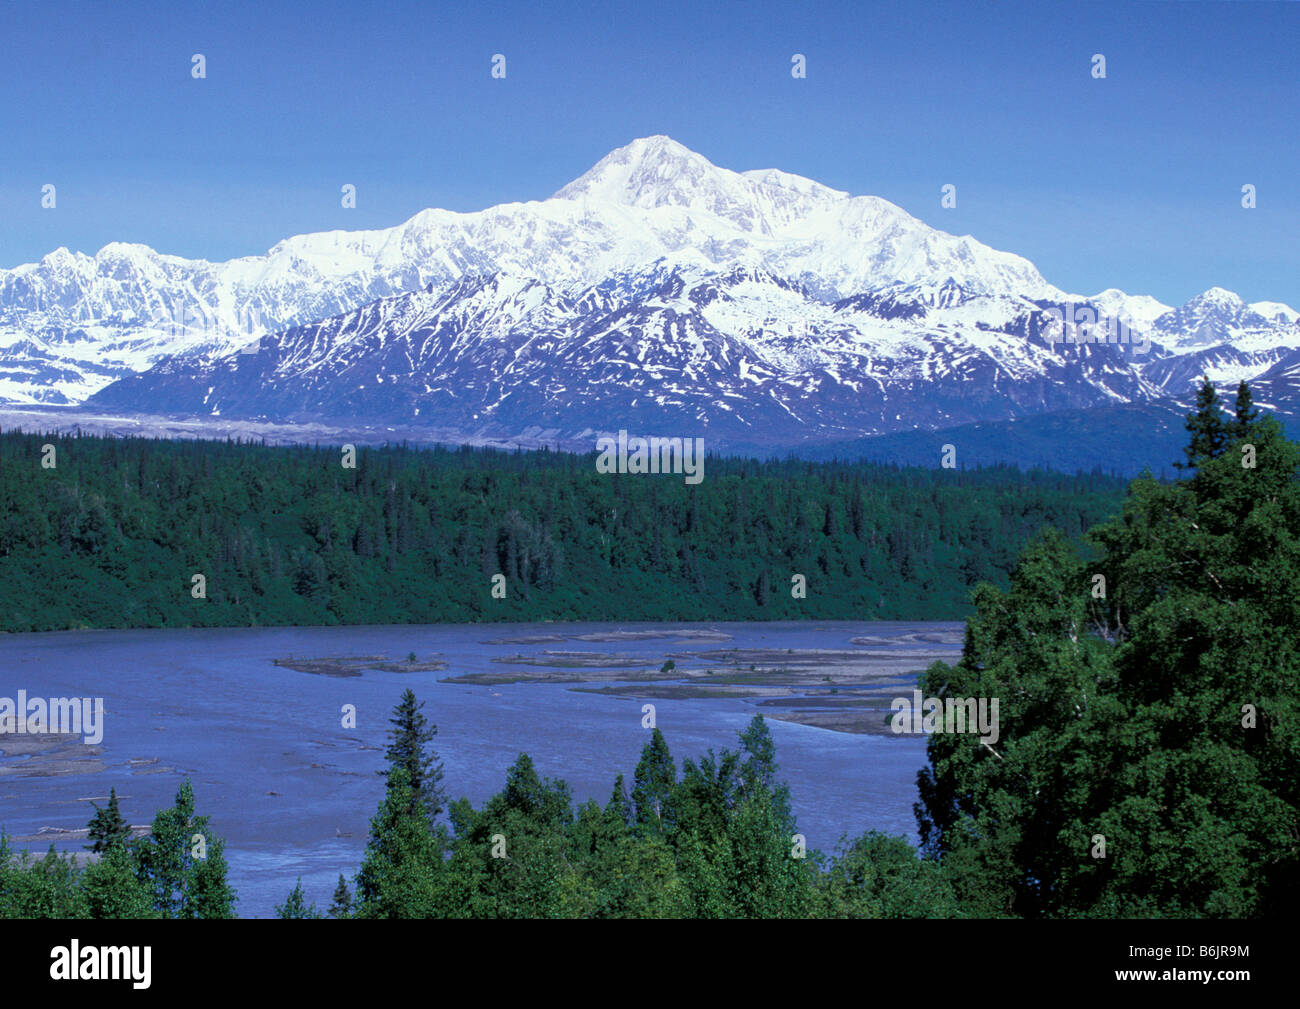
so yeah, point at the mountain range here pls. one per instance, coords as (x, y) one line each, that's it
(656, 293)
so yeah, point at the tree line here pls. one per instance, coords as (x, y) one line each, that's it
(111, 532)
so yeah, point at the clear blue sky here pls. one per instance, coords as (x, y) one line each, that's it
(1131, 182)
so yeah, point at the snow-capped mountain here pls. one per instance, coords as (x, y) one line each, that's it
(1221, 317)
(72, 323)
(746, 355)
(656, 288)
(1138, 310)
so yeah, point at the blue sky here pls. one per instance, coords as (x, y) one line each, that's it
(1133, 181)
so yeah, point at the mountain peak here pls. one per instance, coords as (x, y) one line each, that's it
(658, 143)
(125, 250)
(1275, 311)
(655, 173)
(649, 172)
(1218, 296)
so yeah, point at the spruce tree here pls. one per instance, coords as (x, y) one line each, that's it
(341, 906)
(403, 862)
(409, 750)
(1247, 414)
(107, 826)
(525, 791)
(1208, 429)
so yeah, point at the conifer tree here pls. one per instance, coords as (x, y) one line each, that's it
(341, 906)
(409, 750)
(1208, 429)
(1247, 414)
(403, 861)
(541, 802)
(107, 826)
(618, 811)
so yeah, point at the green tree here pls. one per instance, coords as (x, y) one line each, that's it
(1208, 429)
(1246, 413)
(758, 768)
(112, 888)
(1001, 817)
(1154, 711)
(295, 905)
(641, 880)
(184, 864)
(42, 888)
(341, 905)
(107, 826)
(618, 811)
(511, 859)
(395, 542)
(879, 876)
(409, 749)
(652, 786)
(769, 880)
(403, 863)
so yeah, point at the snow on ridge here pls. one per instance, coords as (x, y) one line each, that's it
(644, 214)
(1273, 309)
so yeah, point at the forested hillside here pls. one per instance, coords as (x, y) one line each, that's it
(113, 533)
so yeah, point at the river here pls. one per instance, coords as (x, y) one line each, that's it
(292, 790)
